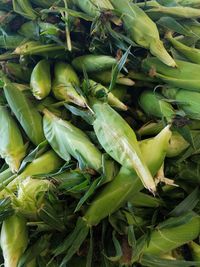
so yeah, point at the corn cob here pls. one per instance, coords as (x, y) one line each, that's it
(188, 101)
(193, 54)
(154, 105)
(27, 115)
(185, 76)
(45, 164)
(177, 145)
(119, 141)
(93, 63)
(41, 79)
(36, 48)
(12, 147)
(142, 30)
(29, 30)
(104, 77)
(127, 184)
(30, 196)
(66, 140)
(195, 251)
(193, 3)
(175, 11)
(93, 7)
(14, 239)
(116, 193)
(65, 83)
(165, 238)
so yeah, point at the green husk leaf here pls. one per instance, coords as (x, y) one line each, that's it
(117, 68)
(188, 204)
(154, 261)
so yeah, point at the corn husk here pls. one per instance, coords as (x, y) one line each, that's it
(66, 140)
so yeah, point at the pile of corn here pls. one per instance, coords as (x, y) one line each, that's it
(99, 133)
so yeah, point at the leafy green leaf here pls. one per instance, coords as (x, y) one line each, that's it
(117, 68)
(187, 204)
(118, 250)
(154, 261)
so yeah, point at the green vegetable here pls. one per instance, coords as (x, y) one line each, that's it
(93, 7)
(193, 54)
(186, 100)
(93, 63)
(119, 141)
(27, 115)
(14, 239)
(65, 83)
(41, 79)
(154, 105)
(66, 140)
(104, 77)
(173, 233)
(43, 165)
(195, 251)
(12, 147)
(97, 89)
(185, 76)
(142, 30)
(177, 145)
(30, 196)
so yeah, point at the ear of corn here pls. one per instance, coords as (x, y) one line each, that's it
(147, 144)
(66, 140)
(191, 53)
(166, 238)
(12, 147)
(64, 84)
(185, 76)
(104, 77)
(93, 63)
(14, 239)
(41, 79)
(36, 48)
(27, 115)
(177, 145)
(176, 11)
(127, 184)
(30, 196)
(188, 101)
(151, 128)
(93, 7)
(195, 251)
(154, 105)
(112, 100)
(193, 3)
(29, 30)
(119, 141)
(45, 164)
(142, 30)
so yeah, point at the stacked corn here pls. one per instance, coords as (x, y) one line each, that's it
(99, 135)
